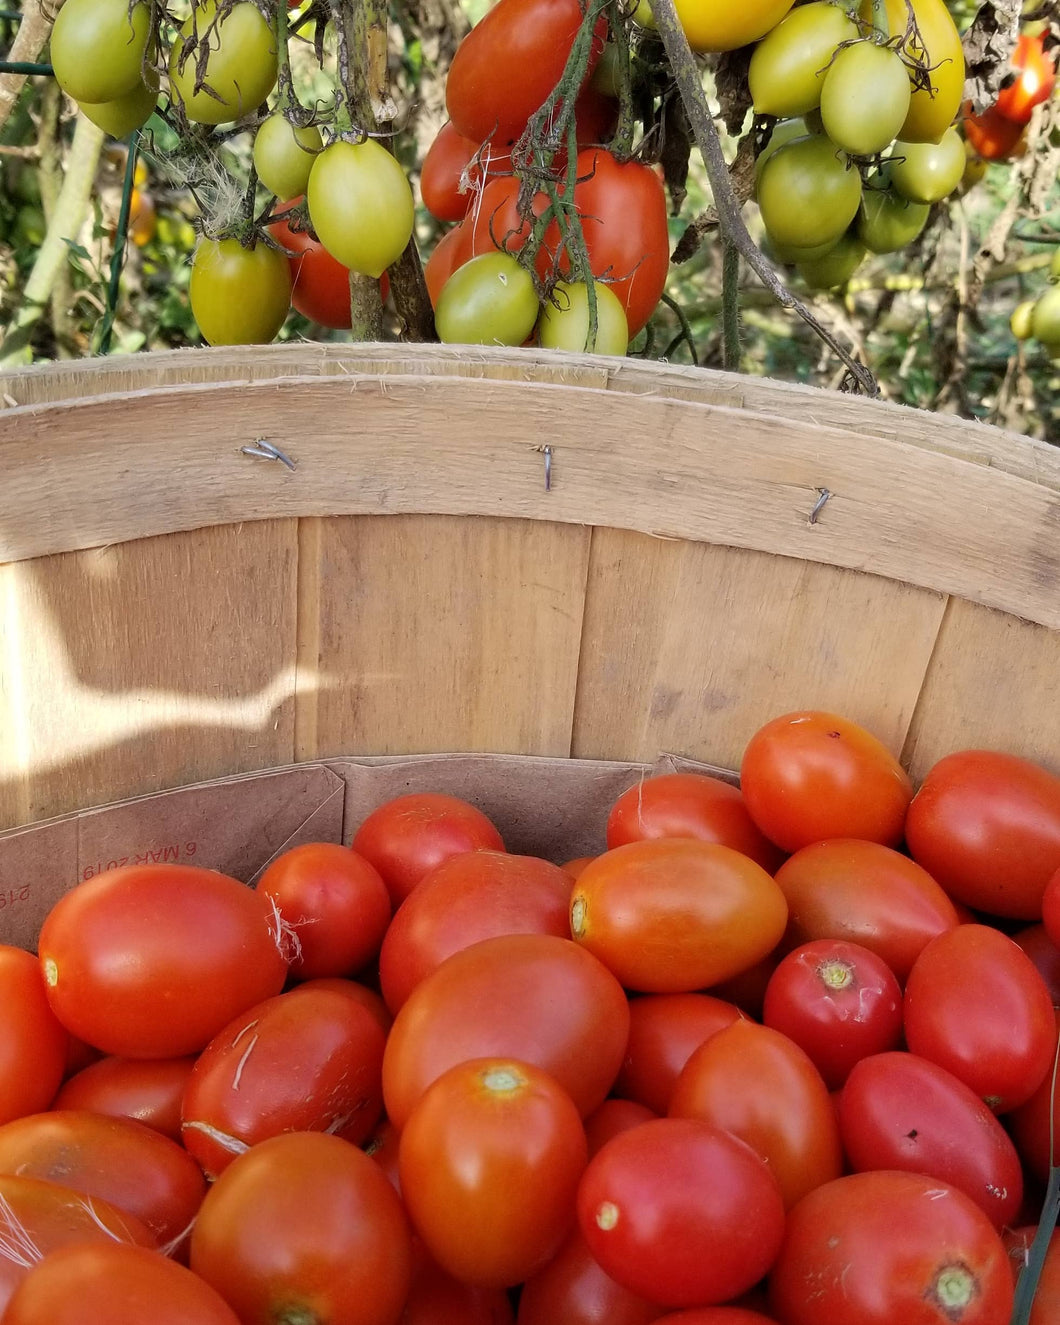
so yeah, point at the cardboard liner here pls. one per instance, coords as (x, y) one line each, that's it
(553, 808)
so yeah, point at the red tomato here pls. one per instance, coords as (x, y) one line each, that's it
(147, 1090)
(689, 805)
(810, 775)
(612, 1117)
(1051, 908)
(1032, 82)
(976, 1005)
(39, 1217)
(130, 1166)
(883, 1247)
(112, 1283)
(664, 1029)
(899, 1111)
(993, 136)
(987, 826)
(353, 989)
(573, 1289)
(33, 1043)
(533, 997)
(838, 1001)
(760, 1086)
(206, 948)
(305, 1227)
(447, 254)
(306, 1061)
(446, 160)
(864, 893)
(383, 1146)
(509, 63)
(671, 915)
(476, 895)
(574, 867)
(681, 1212)
(78, 1054)
(406, 837)
(489, 1162)
(1043, 952)
(1035, 1122)
(436, 1298)
(715, 1316)
(495, 223)
(747, 991)
(320, 284)
(335, 903)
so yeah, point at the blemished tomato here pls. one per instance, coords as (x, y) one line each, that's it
(808, 776)
(757, 1084)
(147, 1090)
(476, 895)
(361, 205)
(986, 825)
(563, 323)
(407, 836)
(33, 1042)
(42, 1216)
(976, 1005)
(509, 63)
(888, 222)
(132, 1167)
(664, 1029)
(206, 948)
(98, 48)
(937, 47)
(309, 1060)
(113, 1283)
(533, 997)
(436, 1298)
(444, 165)
(789, 64)
(928, 172)
(991, 134)
(715, 25)
(490, 300)
(1043, 952)
(241, 64)
(335, 903)
(284, 155)
(878, 1248)
(900, 1111)
(613, 1116)
(320, 284)
(1032, 81)
(239, 296)
(689, 805)
(575, 1290)
(489, 1163)
(808, 193)
(307, 1227)
(865, 893)
(838, 1001)
(681, 1213)
(865, 98)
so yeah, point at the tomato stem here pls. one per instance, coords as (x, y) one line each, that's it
(881, 24)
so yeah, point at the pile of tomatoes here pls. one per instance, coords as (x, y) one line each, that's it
(778, 1053)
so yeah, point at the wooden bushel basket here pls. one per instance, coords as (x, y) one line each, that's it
(504, 551)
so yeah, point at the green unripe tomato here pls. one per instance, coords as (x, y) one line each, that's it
(928, 172)
(791, 256)
(836, 267)
(1054, 266)
(239, 296)
(808, 192)
(98, 48)
(1021, 322)
(888, 222)
(783, 132)
(361, 205)
(789, 64)
(1045, 317)
(490, 300)
(241, 65)
(865, 98)
(564, 320)
(284, 155)
(124, 114)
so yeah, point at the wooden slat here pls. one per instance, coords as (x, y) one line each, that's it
(399, 445)
(156, 663)
(690, 648)
(438, 634)
(993, 683)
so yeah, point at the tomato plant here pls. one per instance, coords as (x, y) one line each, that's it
(33, 1043)
(239, 296)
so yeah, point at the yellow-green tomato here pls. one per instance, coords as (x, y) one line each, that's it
(808, 192)
(836, 267)
(126, 113)
(865, 98)
(241, 63)
(1045, 317)
(937, 48)
(98, 48)
(725, 25)
(1021, 322)
(791, 255)
(564, 320)
(490, 300)
(1054, 265)
(888, 222)
(789, 64)
(361, 205)
(928, 172)
(239, 296)
(284, 155)
(783, 132)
